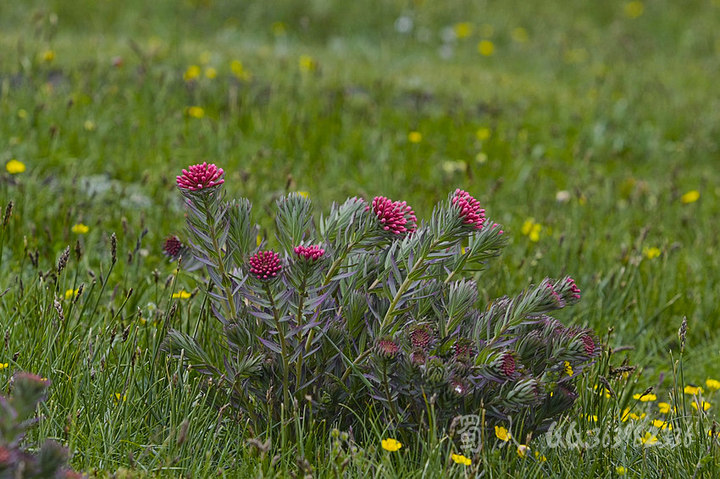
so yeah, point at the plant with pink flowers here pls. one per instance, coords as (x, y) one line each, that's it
(368, 306)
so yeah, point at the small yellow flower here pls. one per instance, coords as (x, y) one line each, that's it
(602, 390)
(71, 293)
(80, 229)
(278, 29)
(119, 397)
(414, 137)
(649, 439)
(192, 73)
(195, 111)
(210, 73)
(568, 368)
(645, 398)
(14, 167)
(651, 252)
(693, 389)
(713, 384)
(620, 470)
(634, 9)
(304, 194)
(519, 35)
(531, 230)
(486, 48)
(483, 133)
(48, 56)
(182, 294)
(258, 240)
(665, 408)
(660, 424)
(705, 405)
(307, 64)
(540, 457)
(690, 197)
(502, 433)
(460, 459)
(89, 125)
(463, 29)
(237, 69)
(522, 450)
(391, 445)
(3, 366)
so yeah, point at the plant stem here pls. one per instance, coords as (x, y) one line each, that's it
(221, 265)
(283, 343)
(299, 321)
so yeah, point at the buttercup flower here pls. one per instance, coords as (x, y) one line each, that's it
(645, 397)
(182, 294)
(395, 216)
(522, 450)
(265, 264)
(713, 384)
(502, 433)
(664, 407)
(648, 439)
(470, 209)
(199, 177)
(693, 389)
(310, 253)
(391, 445)
(80, 229)
(414, 137)
(704, 404)
(690, 197)
(460, 459)
(14, 167)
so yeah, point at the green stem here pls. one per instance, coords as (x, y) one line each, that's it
(283, 343)
(386, 386)
(299, 321)
(221, 265)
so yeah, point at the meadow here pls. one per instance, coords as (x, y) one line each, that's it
(588, 130)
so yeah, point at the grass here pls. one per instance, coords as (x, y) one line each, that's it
(616, 111)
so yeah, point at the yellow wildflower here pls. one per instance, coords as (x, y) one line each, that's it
(483, 133)
(522, 450)
(651, 252)
(192, 73)
(463, 29)
(195, 111)
(80, 229)
(665, 408)
(210, 73)
(14, 167)
(502, 433)
(486, 48)
(660, 424)
(519, 35)
(602, 390)
(237, 69)
(645, 397)
(3, 366)
(307, 64)
(540, 457)
(649, 439)
(414, 137)
(71, 293)
(568, 368)
(119, 397)
(391, 445)
(705, 405)
(693, 389)
(460, 459)
(620, 470)
(48, 56)
(634, 9)
(713, 384)
(690, 197)
(304, 194)
(182, 294)
(531, 229)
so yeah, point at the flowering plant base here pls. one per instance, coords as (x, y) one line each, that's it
(368, 306)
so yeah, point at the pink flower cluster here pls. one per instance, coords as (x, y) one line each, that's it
(395, 216)
(310, 253)
(574, 290)
(589, 344)
(172, 246)
(470, 209)
(199, 177)
(556, 297)
(265, 264)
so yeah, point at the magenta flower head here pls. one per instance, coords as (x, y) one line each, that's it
(588, 344)
(200, 177)
(508, 365)
(574, 290)
(172, 246)
(470, 210)
(310, 253)
(394, 216)
(387, 348)
(265, 265)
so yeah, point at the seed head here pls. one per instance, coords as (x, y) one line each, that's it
(394, 216)
(265, 264)
(199, 177)
(469, 209)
